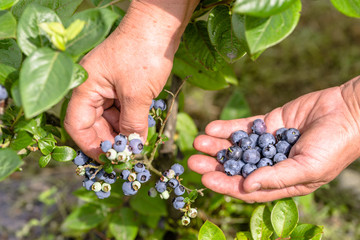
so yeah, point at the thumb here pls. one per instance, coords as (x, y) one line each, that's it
(134, 117)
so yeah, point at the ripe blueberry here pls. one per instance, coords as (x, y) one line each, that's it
(251, 156)
(264, 162)
(179, 169)
(136, 146)
(179, 190)
(259, 127)
(248, 169)
(266, 139)
(269, 151)
(237, 136)
(105, 146)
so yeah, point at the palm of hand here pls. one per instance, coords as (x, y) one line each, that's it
(324, 149)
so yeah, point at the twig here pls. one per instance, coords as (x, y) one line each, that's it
(200, 191)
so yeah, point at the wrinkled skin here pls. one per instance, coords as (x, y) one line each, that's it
(329, 124)
(126, 72)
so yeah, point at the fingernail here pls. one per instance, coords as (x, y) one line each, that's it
(255, 187)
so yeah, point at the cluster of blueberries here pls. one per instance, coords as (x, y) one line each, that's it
(134, 178)
(3, 93)
(258, 149)
(95, 178)
(156, 104)
(170, 181)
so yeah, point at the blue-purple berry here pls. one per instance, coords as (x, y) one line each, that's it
(143, 176)
(81, 159)
(178, 202)
(248, 169)
(234, 152)
(266, 139)
(125, 174)
(259, 127)
(87, 183)
(280, 133)
(246, 143)
(179, 190)
(160, 104)
(251, 156)
(291, 135)
(233, 167)
(237, 136)
(120, 142)
(279, 157)
(139, 167)
(102, 194)
(221, 156)
(3, 93)
(136, 146)
(283, 147)
(160, 186)
(178, 169)
(110, 177)
(269, 151)
(127, 189)
(151, 121)
(105, 146)
(173, 183)
(264, 162)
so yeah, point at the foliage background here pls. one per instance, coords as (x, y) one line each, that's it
(322, 52)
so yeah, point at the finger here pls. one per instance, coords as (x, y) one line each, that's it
(210, 145)
(224, 128)
(111, 115)
(79, 121)
(134, 116)
(233, 186)
(203, 164)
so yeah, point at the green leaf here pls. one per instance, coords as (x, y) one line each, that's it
(210, 231)
(123, 224)
(198, 43)
(145, 205)
(222, 36)
(307, 232)
(5, 4)
(98, 23)
(261, 8)
(187, 131)
(257, 34)
(21, 140)
(243, 236)
(47, 144)
(53, 130)
(284, 217)
(44, 160)
(9, 162)
(50, 73)
(260, 223)
(63, 154)
(29, 35)
(85, 217)
(79, 76)
(10, 53)
(63, 8)
(185, 66)
(7, 74)
(350, 8)
(15, 93)
(193, 195)
(236, 107)
(7, 25)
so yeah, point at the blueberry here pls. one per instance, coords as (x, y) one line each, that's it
(81, 159)
(234, 152)
(87, 183)
(291, 135)
(269, 151)
(101, 175)
(179, 190)
(221, 156)
(139, 167)
(233, 167)
(152, 192)
(266, 139)
(152, 104)
(96, 187)
(247, 143)
(259, 127)
(283, 147)
(127, 189)
(160, 186)
(102, 194)
(178, 202)
(237, 136)
(3, 93)
(251, 156)
(110, 177)
(264, 162)
(151, 121)
(125, 174)
(160, 104)
(248, 169)
(280, 133)
(105, 146)
(173, 183)
(254, 137)
(185, 220)
(106, 187)
(259, 149)
(120, 142)
(179, 169)
(136, 146)
(279, 157)
(89, 172)
(143, 176)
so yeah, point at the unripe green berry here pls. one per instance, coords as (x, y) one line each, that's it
(134, 136)
(164, 179)
(165, 195)
(132, 177)
(170, 173)
(136, 185)
(185, 220)
(80, 170)
(111, 154)
(152, 192)
(122, 157)
(96, 187)
(192, 212)
(106, 187)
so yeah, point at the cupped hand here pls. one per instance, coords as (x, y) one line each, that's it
(328, 121)
(126, 72)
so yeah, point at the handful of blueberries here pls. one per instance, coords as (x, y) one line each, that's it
(258, 149)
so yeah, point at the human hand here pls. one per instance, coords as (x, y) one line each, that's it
(329, 127)
(126, 72)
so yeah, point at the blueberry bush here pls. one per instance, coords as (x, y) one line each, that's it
(41, 43)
